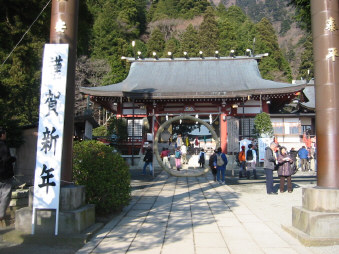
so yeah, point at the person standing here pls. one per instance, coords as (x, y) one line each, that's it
(251, 160)
(293, 154)
(202, 158)
(6, 175)
(177, 156)
(183, 150)
(164, 156)
(285, 169)
(242, 161)
(179, 141)
(213, 157)
(196, 145)
(187, 142)
(269, 164)
(148, 159)
(303, 155)
(220, 163)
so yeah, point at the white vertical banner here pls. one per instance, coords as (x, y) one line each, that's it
(50, 132)
(262, 144)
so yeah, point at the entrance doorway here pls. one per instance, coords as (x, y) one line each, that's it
(164, 126)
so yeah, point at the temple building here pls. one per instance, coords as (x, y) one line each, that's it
(226, 92)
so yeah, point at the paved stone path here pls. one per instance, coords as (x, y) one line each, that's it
(196, 215)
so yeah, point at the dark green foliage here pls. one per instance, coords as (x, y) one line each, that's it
(307, 61)
(275, 65)
(187, 9)
(227, 36)
(117, 126)
(263, 125)
(285, 26)
(303, 12)
(20, 74)
(14, 133)
(209, 33)
(104, 173)
(173, 45)
(100, 131)
(156, 43)
(236, 15)
(189, 41)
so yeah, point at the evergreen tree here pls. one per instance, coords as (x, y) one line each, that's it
(189, 41)
(303, 12)
(209, 33)
(190, 8)
(173, 45)
(275, 65)
(20, 73)
(166, 9)
(116, 23)
(307, 61)
(187, 9)
(221, 10)
(227, 36)
(236, 15)
(156, 43)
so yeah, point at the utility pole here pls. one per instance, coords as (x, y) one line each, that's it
(64, 29)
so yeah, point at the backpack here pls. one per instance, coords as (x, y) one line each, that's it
(220, 161)
(249, 155)
(177, 155)
(196, 142)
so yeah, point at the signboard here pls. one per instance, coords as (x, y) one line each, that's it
(262, 144)
(50, 131)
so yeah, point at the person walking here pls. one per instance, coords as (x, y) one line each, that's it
(303, 155)
(196, 145)
(179, 141)
(183, 150)
(242, 161)
(177, 156)
(148, 159)
(213, 157)
(285, 170)
(220, 163)
(251, 160)
(6, 175)
(202, 158)
(269, 164)
(164, 156)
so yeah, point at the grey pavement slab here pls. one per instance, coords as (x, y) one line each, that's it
(196, 215)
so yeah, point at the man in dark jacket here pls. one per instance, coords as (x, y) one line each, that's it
(148, 159)
(269, 164)
(212, 166)
(6, 174)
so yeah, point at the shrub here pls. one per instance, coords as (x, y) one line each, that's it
(263, 125)
(104, 173)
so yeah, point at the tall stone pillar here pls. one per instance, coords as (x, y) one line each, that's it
(317, 221)
(64, 27)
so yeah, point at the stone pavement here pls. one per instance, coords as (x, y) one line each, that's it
(197, 215)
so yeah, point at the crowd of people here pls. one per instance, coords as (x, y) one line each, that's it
(277, 158)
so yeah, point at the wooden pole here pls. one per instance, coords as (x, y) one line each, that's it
(64, 27)
(325, 22)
